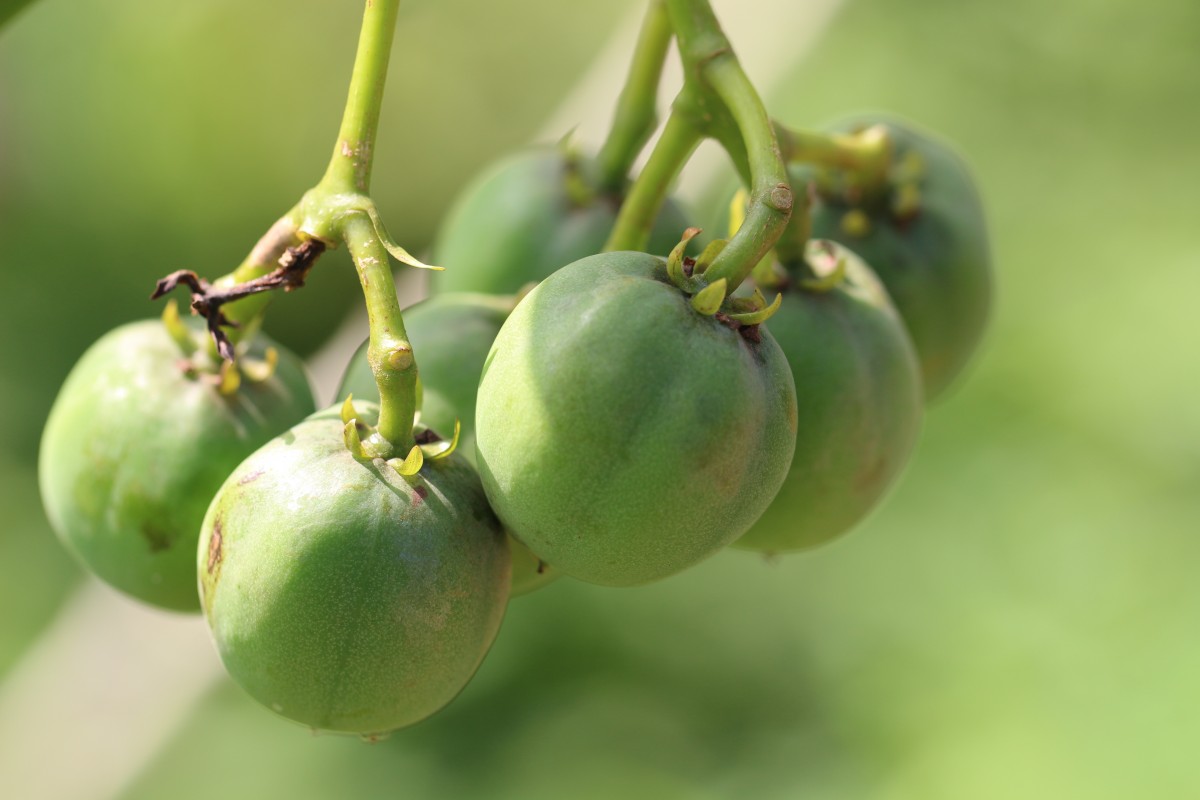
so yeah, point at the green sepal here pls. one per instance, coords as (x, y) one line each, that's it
(442, 449)
(709, 255)
(351, 438)
(827, 278)
(177, 330)
(757, 316)
(256, 370)
(708, 300)
(411, 464)
(348, 412)
(675, 264)
(228, 379)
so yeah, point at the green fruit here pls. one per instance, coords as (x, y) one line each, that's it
(136, 445)
(344, 596)
(926, 239)
(451, 335)
(622, 435)
(858, 388)
(526, 217)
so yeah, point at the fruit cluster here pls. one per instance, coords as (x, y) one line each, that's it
(592, 403)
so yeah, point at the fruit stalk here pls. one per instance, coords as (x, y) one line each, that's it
(713, 71)
(350, 167)
(636, 219)
(867, 154)
(389, 352)
(636, 114)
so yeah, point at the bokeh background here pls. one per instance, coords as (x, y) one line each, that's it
(1019, 620)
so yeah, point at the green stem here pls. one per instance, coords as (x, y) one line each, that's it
(867, 154)
(713, 69)
(350, 167)
(640, 208)
(636, 115)
(389, 352)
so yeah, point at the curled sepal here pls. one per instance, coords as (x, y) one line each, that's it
(398, 252)
(436, 450)
(757, 316)
(828, 266)
(708, 300)
(411, 464)
(228, 379)
(675, 262)
(348, 412)
(352, 439)
(709, 255)
(177, 330)
(257, 371)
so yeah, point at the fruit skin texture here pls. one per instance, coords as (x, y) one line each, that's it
(623, 436)
(937, 266)
(342, 595)
(858, 388)
(452, 335)
(134, 450)
(518, 223)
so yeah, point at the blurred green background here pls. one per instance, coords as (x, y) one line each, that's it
(1017, 621)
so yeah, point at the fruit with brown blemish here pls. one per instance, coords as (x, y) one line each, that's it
(858, 393)
(142, 434)
(344, 595)
(622, 434)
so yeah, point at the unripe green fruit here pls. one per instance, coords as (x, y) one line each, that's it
(858, 388)
(527, 216)
(452, 335)
(622, 435)
(344, 596)
(137, 444)
(926, 239)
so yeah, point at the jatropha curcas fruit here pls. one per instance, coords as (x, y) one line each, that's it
(858, 387)
(348, 591)
(625, 430)
(143, 433)
(922, 230)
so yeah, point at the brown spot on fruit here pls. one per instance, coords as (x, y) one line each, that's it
(419, 495)
(214, 547)
(250, 477)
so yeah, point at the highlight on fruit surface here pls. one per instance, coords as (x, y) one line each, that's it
(622, 434)
(924, 234)
(343, 594)
(144, 431)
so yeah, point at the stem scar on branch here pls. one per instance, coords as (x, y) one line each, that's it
(207, 300)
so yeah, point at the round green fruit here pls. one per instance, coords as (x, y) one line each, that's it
(527, 216)
(622, 435)
(926, 238)
(345, 596)
(858, 388)
(137, 443)
(452, 335)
